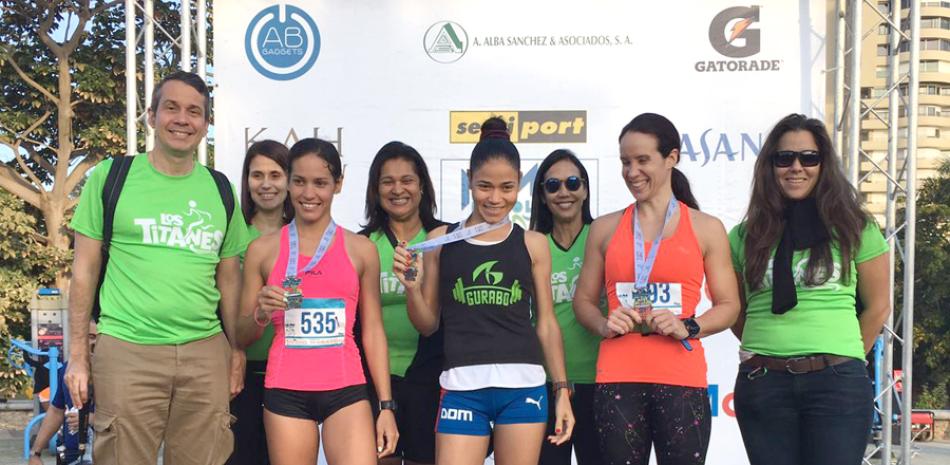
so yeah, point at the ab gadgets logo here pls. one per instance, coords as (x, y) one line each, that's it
(282, 42)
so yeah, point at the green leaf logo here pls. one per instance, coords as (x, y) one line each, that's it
(491, 277)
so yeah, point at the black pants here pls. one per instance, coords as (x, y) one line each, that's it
(817, 418)
(631, 417)
(250, 442)
(583, 441)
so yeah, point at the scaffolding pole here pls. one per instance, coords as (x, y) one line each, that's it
(854, 92)
(149, 71)
(910, 232)
(130, 90)
(183, 42)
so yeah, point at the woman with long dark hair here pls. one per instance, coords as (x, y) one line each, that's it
(308, 279)
(479, 281)
(560, 209)
(266, 209)
(805, 253)
(653, 257)
(400, 209)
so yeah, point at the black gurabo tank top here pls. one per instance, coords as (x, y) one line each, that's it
(485, 294)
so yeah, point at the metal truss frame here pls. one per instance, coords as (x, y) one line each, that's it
(849, 111)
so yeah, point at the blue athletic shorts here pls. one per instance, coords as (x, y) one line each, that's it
(473, 412)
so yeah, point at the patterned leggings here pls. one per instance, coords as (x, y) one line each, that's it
(631, 417)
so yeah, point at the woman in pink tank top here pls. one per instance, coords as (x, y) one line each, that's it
(308, 279)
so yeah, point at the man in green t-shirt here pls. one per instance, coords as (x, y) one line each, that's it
(163, 370)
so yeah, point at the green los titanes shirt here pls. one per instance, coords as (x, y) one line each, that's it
(824, 321)
(580, 346)
(168, 238)
(259, 349)
(401, 336)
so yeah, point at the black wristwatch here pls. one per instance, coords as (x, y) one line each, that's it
(37, 453)
(692, 328)
(387, 405)
(556, 386)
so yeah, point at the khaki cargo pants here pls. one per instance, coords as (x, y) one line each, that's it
(149, 394)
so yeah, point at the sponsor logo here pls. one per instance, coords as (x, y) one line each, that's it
(537, 403)
(710, 146)
(457, 203)
(489, 291)
(290, 136)
(733, 34)
(715, 402)
(730, 32)
(456, 414)
(192, 230)
(446, 41)
(389, 284)
(558, 126)
(282, 42)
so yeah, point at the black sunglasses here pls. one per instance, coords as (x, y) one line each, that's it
(786, 158)
(572, 183)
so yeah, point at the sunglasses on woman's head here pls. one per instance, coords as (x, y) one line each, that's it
(786, 158)
(572, 183)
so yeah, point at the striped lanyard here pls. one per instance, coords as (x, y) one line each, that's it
(458, 235)
(643, 267)
(290, 276)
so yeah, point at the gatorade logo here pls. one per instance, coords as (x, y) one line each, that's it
(730, 33)
(561, 126)
(486, 291)
(456, 414)
(282, 42)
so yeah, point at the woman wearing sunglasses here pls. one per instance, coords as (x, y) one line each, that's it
(651, 369)
(560, 209)
(805, 253)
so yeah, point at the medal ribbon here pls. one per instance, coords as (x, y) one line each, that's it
(458, 235)
(294, 253)
(642, 266)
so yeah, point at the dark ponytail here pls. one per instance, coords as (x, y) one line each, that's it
(667, 140)
(681, 189)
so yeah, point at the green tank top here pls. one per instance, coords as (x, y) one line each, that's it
(259, 349)
(580, 346)
(401, 336)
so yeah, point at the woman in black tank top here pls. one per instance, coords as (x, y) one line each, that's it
(480, 298)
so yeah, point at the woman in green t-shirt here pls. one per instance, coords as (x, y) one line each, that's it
(806, 254)
(266, 209)
(400, 209)
(560, 209)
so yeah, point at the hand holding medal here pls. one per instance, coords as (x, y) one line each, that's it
(270, 299)
(407, 265)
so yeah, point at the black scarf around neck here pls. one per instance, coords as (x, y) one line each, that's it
(804, 229)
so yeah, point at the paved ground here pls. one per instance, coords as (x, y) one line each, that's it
(11, 445)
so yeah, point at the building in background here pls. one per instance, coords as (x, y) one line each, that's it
(933, 136)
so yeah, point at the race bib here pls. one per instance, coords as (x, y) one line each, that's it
(662, 296)
(317, 324)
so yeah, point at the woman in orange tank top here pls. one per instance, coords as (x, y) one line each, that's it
(652, 258)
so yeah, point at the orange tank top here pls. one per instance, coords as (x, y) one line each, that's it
(634, 358)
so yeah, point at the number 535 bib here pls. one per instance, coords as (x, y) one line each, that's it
(663, 296)
(318, 324)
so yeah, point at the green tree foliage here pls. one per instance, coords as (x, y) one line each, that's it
(25, 264)
(931, 293)
(62, 75)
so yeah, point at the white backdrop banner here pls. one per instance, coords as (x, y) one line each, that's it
(564, 74)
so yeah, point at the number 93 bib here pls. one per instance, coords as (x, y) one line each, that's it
(317, 324)
(662, 296)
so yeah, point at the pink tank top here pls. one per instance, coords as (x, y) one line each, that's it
(324, 368)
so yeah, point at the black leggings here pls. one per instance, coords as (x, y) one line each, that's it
(631, 417)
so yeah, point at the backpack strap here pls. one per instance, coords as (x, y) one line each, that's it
(110, 198)
(227, 196)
